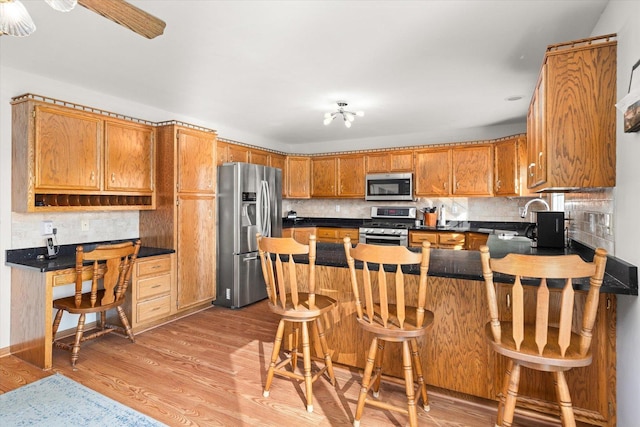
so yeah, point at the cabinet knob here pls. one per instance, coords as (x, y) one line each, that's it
(93, 176)
(113, 177)
(498, 184)
(531, 166)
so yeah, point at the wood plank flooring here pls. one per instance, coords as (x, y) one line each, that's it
(208, 369)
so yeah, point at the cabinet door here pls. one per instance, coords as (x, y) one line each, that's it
(298, 176)
(278, 161)
(222, 155)
(196, 249)
(472, 170)
(129, 152)
(506, 168)
(323, 177)
(378, 162)
(433, 172)
(351, 176)
(390, 161)
(237, 153)
(474, 240)
(259, 157)
(537, 134)
(196, 160)
(67, 149)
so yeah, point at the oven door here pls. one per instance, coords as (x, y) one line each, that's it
(381, 239)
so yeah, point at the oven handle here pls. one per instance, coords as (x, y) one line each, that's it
(382, 237)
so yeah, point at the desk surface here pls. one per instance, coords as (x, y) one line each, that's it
(28, 258)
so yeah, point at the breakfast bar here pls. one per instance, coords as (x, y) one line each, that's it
(455, 354)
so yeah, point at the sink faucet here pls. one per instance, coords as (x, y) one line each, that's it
(526, 206)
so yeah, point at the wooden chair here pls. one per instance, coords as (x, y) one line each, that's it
(389, 318)
(543, 340)
(296, 307)
(113, 265)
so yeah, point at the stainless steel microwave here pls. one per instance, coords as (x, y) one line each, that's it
(389, 186)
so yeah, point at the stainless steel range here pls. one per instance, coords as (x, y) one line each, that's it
(388, 226)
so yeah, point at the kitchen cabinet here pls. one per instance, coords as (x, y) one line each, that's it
(66, 158)
(227, 152)
(298, 176)
(149, 297)
(324, 176)
(472, 170)
(389, 161)
(336, 235)
(351, 176)
(185, 216)
(300, 234)
(433, 172)
(510, 167)
(438, 239)
(474, 240)
(129, 157)
(592, 387)
(259, 157)
(279, 161)
(571, 122)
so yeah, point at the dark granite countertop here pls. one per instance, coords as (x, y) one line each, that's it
(620, 277)
(66, 258)
(488, 227)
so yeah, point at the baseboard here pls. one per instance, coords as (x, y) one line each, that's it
(5, 351)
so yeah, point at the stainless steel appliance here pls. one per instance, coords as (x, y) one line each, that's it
(389, 186)
(388, 226)
(249, 201)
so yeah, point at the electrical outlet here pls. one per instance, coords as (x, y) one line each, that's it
(84, 225)
(337, 208)
(47, 228)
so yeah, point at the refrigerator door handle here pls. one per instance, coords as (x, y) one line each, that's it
(267, 208)
(263, 211)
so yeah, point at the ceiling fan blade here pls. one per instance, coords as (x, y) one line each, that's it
(127, 15)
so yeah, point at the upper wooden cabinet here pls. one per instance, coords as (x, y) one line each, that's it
(472, 171)
(129, 156)
(260, 157)
(75, 158)
(227, 152)
(571, 119)
(351, 176)
(389, 161)
(67, 148)
(324, 176)
(279, 161)
(196, 161)
(298, 176)
(433, 172)
(510, 167)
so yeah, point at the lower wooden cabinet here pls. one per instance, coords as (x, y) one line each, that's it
(299, 234)
(151, 295)
(336, 235)
(438, 239)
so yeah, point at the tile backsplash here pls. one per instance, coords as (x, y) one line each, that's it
(590, 218)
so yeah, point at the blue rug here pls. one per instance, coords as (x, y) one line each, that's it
(59, 401)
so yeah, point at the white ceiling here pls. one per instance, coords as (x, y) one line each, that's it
(423, 71)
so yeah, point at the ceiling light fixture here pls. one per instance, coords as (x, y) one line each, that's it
(347, 116)
(16, 21)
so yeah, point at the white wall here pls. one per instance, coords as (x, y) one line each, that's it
(623, 18)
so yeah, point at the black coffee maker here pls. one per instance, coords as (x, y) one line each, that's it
(550, 229)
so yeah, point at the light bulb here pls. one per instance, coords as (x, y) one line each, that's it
(328, 115)
(350, 117)
(347, 123)
(360, 113)
(328, 121)
(15, 20)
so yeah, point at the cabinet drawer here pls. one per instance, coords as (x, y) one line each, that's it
(153, 266)
(451, 240)
(416, 239)
(326, 233)
(152, 286)
(153, 308)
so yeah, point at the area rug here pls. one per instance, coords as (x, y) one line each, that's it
(59, 401)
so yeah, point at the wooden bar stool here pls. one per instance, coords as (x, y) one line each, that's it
(296, 307)
(544, 340)
(112, 265)
(389, 318)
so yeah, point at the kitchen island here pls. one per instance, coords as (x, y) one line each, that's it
(455, 354)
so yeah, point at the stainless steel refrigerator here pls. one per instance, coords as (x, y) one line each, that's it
(249, 201)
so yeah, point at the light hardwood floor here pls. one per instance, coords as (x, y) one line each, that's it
(208, 369)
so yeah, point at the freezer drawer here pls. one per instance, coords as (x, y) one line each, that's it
(245, 285)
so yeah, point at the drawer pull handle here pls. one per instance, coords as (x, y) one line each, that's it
(156, 286)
